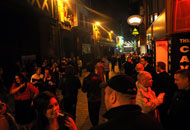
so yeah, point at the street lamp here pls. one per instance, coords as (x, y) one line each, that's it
(135, 20)
(97, 23)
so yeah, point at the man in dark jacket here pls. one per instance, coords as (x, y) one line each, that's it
(91, 85)
(179, 110)
(69, 85)
(123, 113)
(148, 67)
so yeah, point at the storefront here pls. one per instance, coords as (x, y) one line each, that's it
(169, 36)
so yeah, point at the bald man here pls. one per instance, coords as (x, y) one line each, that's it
(146, 97)
(122, 112)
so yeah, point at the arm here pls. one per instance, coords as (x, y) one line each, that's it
(85, 86)
(15, 89)
(33, 89)
(71, 124)
(148, 102)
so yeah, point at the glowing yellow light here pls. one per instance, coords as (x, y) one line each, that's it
(135, 20)
(98, 23)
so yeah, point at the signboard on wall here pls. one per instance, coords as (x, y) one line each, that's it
(86, 48)
(181, 15)
(162, 52)
(180, 53)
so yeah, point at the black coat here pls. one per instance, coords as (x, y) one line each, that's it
(91, 85)
(69, 84)
(151, 70)
(128, 117)
(179, 111)
(162, 83)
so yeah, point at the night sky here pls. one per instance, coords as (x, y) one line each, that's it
(117, 10)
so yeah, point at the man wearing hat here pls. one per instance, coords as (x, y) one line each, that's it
(122, 112)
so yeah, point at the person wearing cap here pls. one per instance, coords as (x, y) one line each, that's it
(146, 97)
(122, 112)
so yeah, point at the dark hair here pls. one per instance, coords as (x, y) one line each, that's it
(162, 65)
(145, 58)
(41, 103)
(183, 73)
(22, 80)
(69, 69)
(90, 67)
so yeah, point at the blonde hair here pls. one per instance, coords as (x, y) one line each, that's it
(142, 75)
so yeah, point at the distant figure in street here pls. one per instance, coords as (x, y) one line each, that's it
(79, 63)
(69, 85)
(91, 85)
(148, 67)
(138, 68)
(100, 69)
(49, 81)
(119, 62)
(129, 67)
(37, 79)
(122, 112)
(106, 67)
(113, 62)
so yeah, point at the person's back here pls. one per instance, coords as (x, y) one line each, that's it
(128, 117)
(129, 67)
(91, 86)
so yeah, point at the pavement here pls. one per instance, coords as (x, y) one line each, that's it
(82, 116)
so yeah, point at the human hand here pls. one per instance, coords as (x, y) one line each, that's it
(161, 95)
(22, 85)
(34, 82)
(70, 123)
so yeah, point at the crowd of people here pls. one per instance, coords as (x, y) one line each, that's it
(138, 97)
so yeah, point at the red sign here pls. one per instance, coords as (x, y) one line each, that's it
(181, 13)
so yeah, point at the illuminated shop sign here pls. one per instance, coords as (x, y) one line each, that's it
(184, 49)
(66, 11)
(181, 15)
(179, 53)
(134, 20)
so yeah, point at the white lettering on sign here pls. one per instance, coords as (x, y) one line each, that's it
(184, 59)
(184, 67)
(184, 49)
(184, 40)
(44, 5)
(38, 3)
